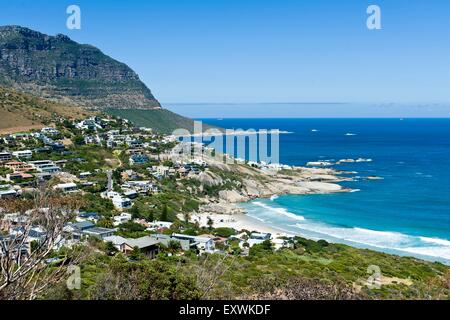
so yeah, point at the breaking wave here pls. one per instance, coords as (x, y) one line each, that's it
(383, 240)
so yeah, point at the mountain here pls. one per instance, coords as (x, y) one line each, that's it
(22, 112)
(57, 68)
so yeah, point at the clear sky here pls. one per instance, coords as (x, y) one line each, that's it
(264, 50)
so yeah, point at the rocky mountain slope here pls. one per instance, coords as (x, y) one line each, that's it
(21, 112)
(57, 68)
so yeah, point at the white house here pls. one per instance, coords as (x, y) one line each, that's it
(117, 241)
(155, 225)
(258, 238)
(24, 154)
(66, 187)
(201, 243)
(121, 202)
(122, 218)
(49, 131)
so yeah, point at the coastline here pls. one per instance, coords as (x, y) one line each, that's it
(240, 220)
(227, 212)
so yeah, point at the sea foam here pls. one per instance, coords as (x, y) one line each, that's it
(281, 211)
(363, 237)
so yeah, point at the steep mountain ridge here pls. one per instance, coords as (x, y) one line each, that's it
(58, 68)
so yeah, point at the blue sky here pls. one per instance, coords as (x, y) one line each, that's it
(264, 50)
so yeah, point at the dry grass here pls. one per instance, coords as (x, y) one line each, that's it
(22, 112)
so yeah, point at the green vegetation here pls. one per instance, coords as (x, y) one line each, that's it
(132, 230)
(264, 271)
(163, 121)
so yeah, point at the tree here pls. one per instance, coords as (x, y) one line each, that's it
(261, 248)
(173, 246)
(110, 249)
(150, 216)
(25, 270)
(210, 223)
(187, 217)
(164, 213)
(224, 232)
(135, 254)
(144, 280)
(78, 140)
(106, 223)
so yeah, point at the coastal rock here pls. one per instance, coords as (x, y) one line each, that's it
(323, 177)
(208, 179)
(231, 196)
(319, 164)
(374, 178)
(321, 186)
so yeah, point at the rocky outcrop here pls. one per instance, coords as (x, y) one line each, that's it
(58, 68)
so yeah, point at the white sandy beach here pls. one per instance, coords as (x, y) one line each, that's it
(238, 222)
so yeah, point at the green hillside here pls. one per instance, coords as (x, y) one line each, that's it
(161, 120)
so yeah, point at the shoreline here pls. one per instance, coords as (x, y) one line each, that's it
(227, 213)
(242, 221)
(238, 222)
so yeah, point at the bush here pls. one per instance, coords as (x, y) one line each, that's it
(261, 249)
(224, 232)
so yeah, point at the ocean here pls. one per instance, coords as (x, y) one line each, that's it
(405, 213)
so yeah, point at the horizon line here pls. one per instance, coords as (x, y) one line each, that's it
(305, 103)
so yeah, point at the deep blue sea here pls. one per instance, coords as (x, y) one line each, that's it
(407, 212)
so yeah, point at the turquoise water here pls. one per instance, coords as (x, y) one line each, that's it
(408, 212)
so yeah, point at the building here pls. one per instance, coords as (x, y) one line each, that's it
(18, 176)
(66, 187)
(135, 144)
(167, 239)
(130, 194)
(9, 193)
(201, 243)
(5, 156)
(85, 175)
(163, 170)
(138, 159)
(258, 238)
(99, 233)
(147, 245)
(17, 166)
(92, 140)
(117, 199)
(117, 241)
(79, 226)
(58, 147)
(144, 186)
(24, 154)
(156, 225)
(122, 218)
(45, 166)
(88, 228)
(88, 124)
(88, 216)
(49, 131)
(121, 202)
